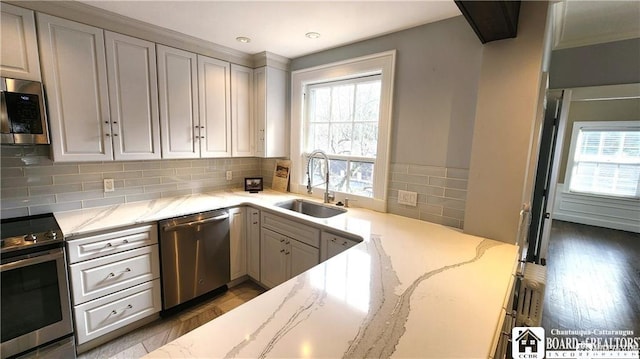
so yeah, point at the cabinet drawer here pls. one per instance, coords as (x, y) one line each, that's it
(109, 243)
(333, 244)
(105, 275)
(300, 232)
(101, 316)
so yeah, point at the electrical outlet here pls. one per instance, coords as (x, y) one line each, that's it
(108, 185)
(408, 198)
(229, 175)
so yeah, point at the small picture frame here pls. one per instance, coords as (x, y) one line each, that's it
(253, 184)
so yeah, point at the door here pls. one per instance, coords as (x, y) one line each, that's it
(302, 257)
(214, 100)
(546, 178)
(178, 90)
(242, 124)
(19, 57)
(238, 243)
(273, 262)
(75, 79)
(253, 243)
(133, 97)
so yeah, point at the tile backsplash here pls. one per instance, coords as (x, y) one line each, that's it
(31, 183)
(442, 193)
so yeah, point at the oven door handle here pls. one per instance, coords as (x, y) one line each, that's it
(34, 258)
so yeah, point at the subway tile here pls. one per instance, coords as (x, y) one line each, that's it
(400, 177)
(56, 207)
(27, 181)
(455, 193)
(60, 188)
(14, 212)
(143, 197)
(12, 151)
(142, 165)
(6, 162)
(27, 201)
(160, 187)
(437, 181)
(15, 192)
(459, 173)
(37, 161)
(51, 170)
(426, 190)
(122, 175)
(456, 184)
(190, 171)
(102, 202)
(451, 222)
(208, 176)
(176, 193)
(453, 213)
(176, 164)
(93, 186)
(79, 196)
(128, 191)
(159, 173)
(429, 208)
(11, 172)
(176, 179)
(427, 170)
(392, 194)
(399, 168)
(101, 167)
(446, 202)
(77, 178)
(142, 181)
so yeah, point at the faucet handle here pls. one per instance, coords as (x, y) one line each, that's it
(331, 196)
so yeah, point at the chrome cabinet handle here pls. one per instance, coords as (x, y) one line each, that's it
(123, 272)
(114, 312)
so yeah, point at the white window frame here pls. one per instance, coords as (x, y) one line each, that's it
(595, 126)
(381, 63)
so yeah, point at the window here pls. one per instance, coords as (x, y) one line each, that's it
(344, 109)
(342, 120)
(605, 159)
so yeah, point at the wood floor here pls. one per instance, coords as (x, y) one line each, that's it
(154, 335)
(593, 279)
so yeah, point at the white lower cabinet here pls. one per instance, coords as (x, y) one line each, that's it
(115, 279)
(253, 243)
(238, 242)
(106, 314)
(282, 258)
(332, 244)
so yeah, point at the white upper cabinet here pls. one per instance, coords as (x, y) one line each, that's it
(270, 102)
(178, 90)
(215, 105)
(242, 123)
(133, 97)
(75, 79)
(19, 57)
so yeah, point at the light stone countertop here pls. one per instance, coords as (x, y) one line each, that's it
(410, 289)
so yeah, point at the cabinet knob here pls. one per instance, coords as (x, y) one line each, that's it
(108, 135)
(115, 122)
(115, 135)
(344, 243)
(201, 136)
(107, 122)
(255, 222)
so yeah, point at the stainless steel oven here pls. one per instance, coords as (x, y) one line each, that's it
(35, 308)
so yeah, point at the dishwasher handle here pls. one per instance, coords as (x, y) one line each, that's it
(173, 227)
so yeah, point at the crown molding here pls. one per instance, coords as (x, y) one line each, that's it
(266, 58)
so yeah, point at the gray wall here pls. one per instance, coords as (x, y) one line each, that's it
(604, 110)
(610, 63)
(436, 77)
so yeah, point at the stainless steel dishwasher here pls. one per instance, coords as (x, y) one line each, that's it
(195, 256)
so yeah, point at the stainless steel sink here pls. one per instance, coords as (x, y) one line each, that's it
(311, 208)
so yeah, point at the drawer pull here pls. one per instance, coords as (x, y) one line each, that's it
(255, 222)
(125, 241)
(286, 253)
(282, 240)
(107, 245)
(123, 272)
(282, 251)
(287, 242)
(115, 312)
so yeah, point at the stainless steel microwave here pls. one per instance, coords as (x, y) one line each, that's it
(23, 118)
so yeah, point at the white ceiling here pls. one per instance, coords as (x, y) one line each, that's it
(280, 26)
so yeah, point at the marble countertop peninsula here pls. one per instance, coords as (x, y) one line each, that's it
(411, 289)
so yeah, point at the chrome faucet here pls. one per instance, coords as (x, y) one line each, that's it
(327, 197)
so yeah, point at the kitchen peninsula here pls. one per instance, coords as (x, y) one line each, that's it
(410, 289)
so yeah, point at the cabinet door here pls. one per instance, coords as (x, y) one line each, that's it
(133, 97)
(19, 57)
(271, 127)
(214, 99)
(273, 261)
(242, 124)
(238, 245)
(253, 243)
(178, 89)
(301, 257)
(75, 79)
(333, 244)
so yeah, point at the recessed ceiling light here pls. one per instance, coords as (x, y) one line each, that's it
(312, 35)
(243, 39)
